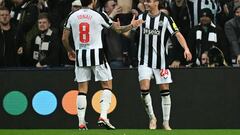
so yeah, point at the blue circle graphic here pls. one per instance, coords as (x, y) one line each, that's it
(44, 102)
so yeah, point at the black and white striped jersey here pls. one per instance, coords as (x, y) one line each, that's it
(154, 34)
(86, 26)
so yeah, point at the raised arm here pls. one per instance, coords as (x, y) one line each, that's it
(122, 29)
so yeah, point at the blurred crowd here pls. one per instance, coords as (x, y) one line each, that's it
(31, 32)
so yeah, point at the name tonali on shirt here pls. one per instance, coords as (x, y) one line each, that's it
(154, 34)
(86, 26)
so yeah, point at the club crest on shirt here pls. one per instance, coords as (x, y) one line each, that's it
(160, 23)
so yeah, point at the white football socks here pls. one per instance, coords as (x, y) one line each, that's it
(105, 103)
(166, 107)
(81, 108)
(147, 100)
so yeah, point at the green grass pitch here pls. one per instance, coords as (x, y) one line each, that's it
(118, 132)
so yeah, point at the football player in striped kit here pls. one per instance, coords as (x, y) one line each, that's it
(86, 26)
(152, 57)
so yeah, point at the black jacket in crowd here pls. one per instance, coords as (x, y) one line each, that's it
(232, 30)
(8, 48)
(199, 46)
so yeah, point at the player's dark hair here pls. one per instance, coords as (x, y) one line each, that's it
(85, 3)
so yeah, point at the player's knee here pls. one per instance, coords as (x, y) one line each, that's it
(106, 84)
(82, 90)
(144, 87)
(165, 93)
(164, 86)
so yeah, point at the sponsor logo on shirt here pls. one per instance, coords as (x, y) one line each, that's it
(151, 32)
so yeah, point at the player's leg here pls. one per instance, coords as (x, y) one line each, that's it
(147, 101)
(82, 104)
(145, 74)
(166, 105)
(163, 78)
(106, 98)
(104, 75)
(105, 103)
(83, 75)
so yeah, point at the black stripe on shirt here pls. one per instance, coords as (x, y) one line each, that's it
(77, 61)
(101, 56)
(150, 51)
(92, 55)
(84, 58)
(144, 16)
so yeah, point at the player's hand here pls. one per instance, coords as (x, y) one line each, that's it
(72, 55)
(187, 55)
(136, 23)
(117, 10)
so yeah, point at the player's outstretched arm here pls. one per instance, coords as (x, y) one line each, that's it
(122, 29)
(183, 43)
(65, 40)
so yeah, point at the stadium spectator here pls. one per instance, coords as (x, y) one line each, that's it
(232, 29)
(153, 59)
(205, 35)
(216, 57)
(113, 45)
(24, 16)
(195, 6)
(8, 49)
(228, 9)
(204, 59)
(86, 26)
(46, 45)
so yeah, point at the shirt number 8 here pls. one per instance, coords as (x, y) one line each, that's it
(84, 29)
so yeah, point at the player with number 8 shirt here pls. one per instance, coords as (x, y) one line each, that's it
(86, 26)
